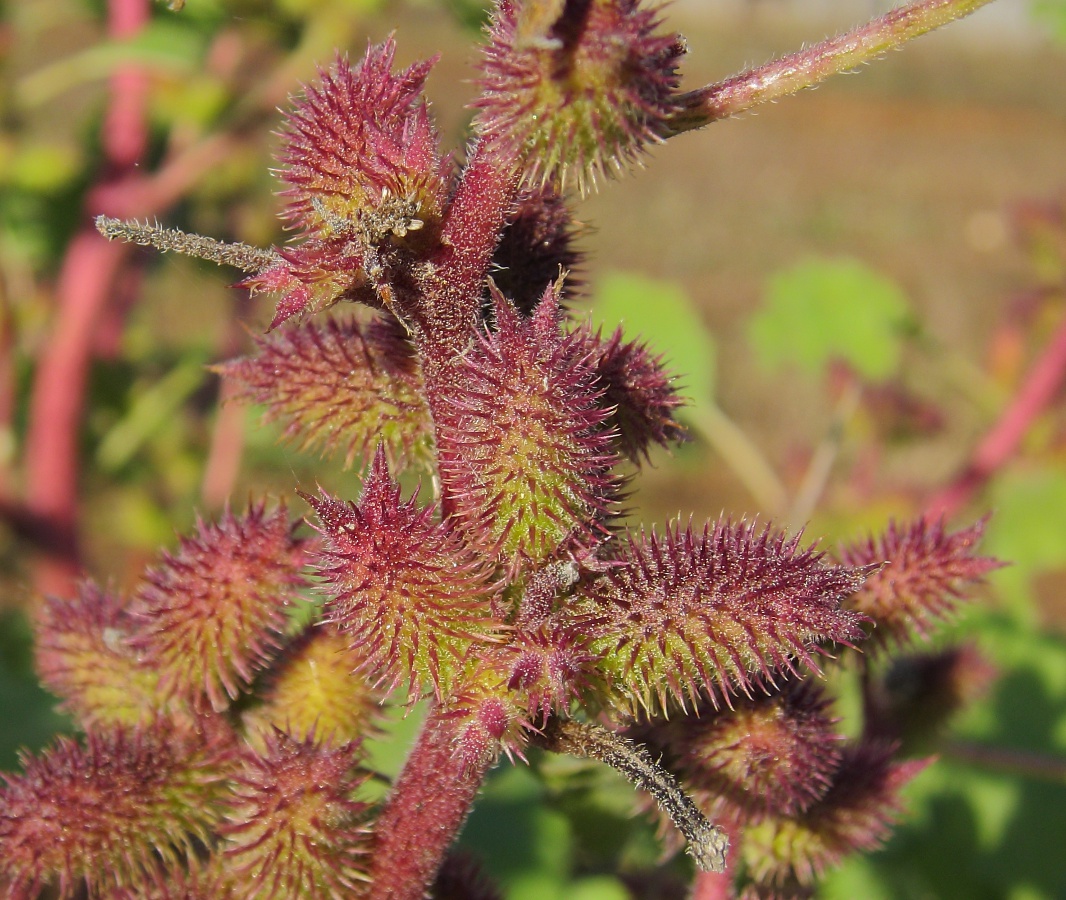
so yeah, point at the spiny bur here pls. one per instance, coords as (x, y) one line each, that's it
(225, 712)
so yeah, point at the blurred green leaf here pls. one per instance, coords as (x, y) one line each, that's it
(167, 43)
(26, 709)
(40, 167)
(830, 309)
(1051, 13)
(150, 413)
(661, 314)
(524, 845)
(1027, 531)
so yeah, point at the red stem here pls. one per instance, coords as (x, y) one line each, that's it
(88, 272)
(428, 806)
(1001, 443)
(478, 214)
(808, 67)
(87, 276)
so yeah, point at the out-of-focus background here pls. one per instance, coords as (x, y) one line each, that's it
(863, 289)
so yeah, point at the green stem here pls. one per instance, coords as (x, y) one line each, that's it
(806, 68)
(742, 455)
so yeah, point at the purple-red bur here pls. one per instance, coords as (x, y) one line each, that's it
(294, 829)
(856, 814)
(775, 753)
(402, 588)
(547, 668)
(461, 878)
(691, 614)
(110, 813)
(525, 455)
(637, 388)
(924, 572)
(576, 90)
(913, 696)
(340, 386)
(359, 140)
(200, 880)
(536, 246)
(84, 656)
(314, 276)
(212, 613)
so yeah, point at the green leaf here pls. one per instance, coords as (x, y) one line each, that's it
(150, 413)
(1026, 531)
(1053, 14)
(821, 310)
(661, 314)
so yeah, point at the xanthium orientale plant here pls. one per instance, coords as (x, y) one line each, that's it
(424, 324)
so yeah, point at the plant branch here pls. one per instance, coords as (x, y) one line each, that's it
(809, 67)
(707, 843)
(1008, 759)
(1040, 387)
(742, 455)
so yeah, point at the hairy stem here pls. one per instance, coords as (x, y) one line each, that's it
(806, 68)
(240, 256)
(707, 843)
(425, 811)
(455, 282)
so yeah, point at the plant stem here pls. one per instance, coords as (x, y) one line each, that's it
(454, 285)
(1002, 441)
(425, 811)
(1008, 759)
(742, 455)
(707, 843)
(806, 68)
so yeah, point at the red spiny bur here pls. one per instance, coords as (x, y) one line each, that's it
(212, 613)
(295, 831)
(855, 814)
(84, 657)
(427, 807)
(922, 573)
(461, 878)
(367, 186)
(402, 588)
(548, 668)
(199, 881)
(358, 138)
(773, 754)
(524, 450)
(538, 243)
(915, 696)
(638, 390)
(341, 386)
(577, 90)
(690, 615)
(110, 813)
